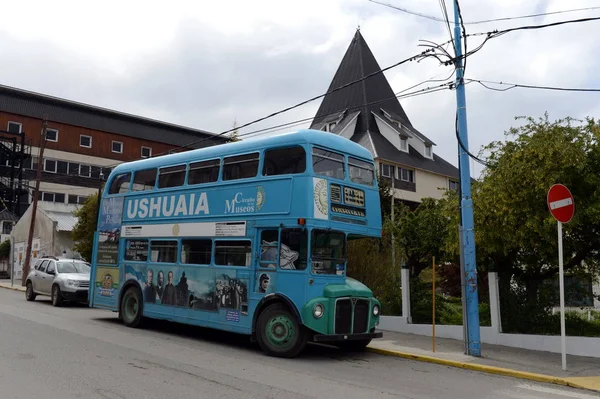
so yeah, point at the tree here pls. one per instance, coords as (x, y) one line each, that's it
(5, 249)
(515, 233)
(83, 232)
(234, 135)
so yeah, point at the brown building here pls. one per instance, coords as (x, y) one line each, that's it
(83, 143)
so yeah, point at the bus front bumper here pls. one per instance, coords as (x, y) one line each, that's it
(346, 337)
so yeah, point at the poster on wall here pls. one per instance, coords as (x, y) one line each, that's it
(109, 230)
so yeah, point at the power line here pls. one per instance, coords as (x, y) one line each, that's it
(496, 33)
(514, 85)
(484, 21)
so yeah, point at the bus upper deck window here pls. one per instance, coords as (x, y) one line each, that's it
(204, 172)
(240, 166)
(361, 172)
(144, 180)
(284, 161)
(328, 163)
(120, 184)
(173, 176)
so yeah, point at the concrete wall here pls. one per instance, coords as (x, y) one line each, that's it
(579, 346)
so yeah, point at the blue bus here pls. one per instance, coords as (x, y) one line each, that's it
(248, 237)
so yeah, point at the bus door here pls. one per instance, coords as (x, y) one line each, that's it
(281, 263)
(233, 263)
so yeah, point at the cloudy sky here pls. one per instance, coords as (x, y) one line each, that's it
(205, 64)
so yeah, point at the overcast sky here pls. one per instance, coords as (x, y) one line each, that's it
(205, 64)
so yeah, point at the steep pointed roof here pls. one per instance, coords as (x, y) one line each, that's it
(371, 94)
(363, 102)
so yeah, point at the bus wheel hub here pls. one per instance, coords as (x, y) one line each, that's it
(280, 330)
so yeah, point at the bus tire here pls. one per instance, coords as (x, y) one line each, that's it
(278, 333)
(131, 307)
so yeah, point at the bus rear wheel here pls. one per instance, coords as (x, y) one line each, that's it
(130, 310)
(278, 332)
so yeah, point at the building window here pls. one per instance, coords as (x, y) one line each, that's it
(428, 151)
(77, 199)
(52, 135)
(387, 170)
(403, 143)
(58, 197)
(85, 170)
(406, 175)
(62, 167)
(50, 165)
(85, 141)
(7, 227)
(73, 168)
(117, 147)
(453, 185)
(48, 197)
(146, 152)
(14, 127)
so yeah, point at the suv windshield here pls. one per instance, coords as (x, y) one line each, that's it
(73, 267)
(328, 251)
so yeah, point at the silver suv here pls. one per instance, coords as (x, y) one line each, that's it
(61, 278)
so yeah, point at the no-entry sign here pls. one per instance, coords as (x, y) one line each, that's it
(561, 203)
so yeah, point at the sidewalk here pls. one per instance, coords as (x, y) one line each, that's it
(582, 372)
(16, 285)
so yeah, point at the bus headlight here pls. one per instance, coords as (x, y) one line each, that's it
(318, 311)
(376, 310)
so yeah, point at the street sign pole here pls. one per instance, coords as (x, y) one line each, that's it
(561, 278)
(562, 206)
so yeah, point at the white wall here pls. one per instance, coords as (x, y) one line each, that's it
(578, 346)
(428, 185)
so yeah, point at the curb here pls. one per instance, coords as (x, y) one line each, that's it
(483, 368)
(15, 288)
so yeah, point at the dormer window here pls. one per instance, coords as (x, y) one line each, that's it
(403, 143)
(428, 151)
(329, 127)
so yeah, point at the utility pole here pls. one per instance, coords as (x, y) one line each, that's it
(38, 177)
(466, 203)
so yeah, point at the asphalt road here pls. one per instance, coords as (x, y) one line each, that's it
(77, 352)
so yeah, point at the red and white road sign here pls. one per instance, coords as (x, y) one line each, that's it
(561, 203)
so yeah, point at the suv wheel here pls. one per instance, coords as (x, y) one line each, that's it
(56, 296)
(29, 294)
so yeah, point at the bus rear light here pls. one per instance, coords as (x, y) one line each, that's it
(301, 221)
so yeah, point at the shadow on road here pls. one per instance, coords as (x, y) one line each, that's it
(171, 330)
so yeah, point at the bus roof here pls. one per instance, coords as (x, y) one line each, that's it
(328, 140)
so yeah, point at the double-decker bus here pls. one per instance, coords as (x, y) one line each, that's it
(248, 237)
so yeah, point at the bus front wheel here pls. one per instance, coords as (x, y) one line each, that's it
(278, 332)
(130, 311)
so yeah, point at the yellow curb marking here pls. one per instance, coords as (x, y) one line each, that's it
(573, 382)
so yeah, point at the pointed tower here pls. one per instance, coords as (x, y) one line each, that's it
(369, 113)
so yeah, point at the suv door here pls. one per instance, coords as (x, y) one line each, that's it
(39, 275)
(49, 276)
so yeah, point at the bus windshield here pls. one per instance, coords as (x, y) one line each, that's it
(328, 250)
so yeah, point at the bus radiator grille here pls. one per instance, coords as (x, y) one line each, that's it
(343, 316)
(361, 316)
